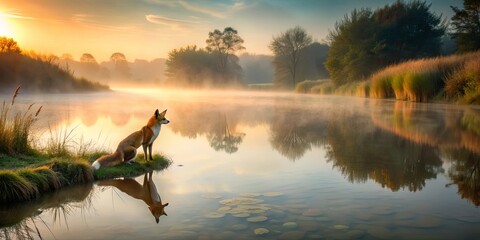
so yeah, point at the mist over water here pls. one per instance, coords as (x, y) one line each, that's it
(329, 166)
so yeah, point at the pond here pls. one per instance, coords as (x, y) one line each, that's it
(257, 165)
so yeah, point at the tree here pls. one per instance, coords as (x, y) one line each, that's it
(87, 58)
(190, 66)
(287, 48)
(466, 26)
(8, 45)
(353, 47)
(366, 41)
(224, 45)
(121, 65)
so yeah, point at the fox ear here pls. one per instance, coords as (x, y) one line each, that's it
(156, 113)
(163, 113)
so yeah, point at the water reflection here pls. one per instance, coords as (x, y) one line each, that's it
(147, 192)
(362, 152)
(399, 145)
(19, 221)
(465, 173)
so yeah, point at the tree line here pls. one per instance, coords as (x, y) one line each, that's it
(361, 43)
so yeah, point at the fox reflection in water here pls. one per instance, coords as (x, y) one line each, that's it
(146, 192)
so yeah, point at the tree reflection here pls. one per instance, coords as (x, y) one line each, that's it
(294, 132)
(223, 139)
(361, 152)
(465, 173)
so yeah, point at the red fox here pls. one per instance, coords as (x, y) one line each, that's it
(146, 192)
(127, 148)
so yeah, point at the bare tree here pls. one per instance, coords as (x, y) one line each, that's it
(287, 50)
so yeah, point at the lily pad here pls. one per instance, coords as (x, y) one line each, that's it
(272, 194)
(290, 225)
(211, 196)
(241, 215)
(340, 227)
(261, 231)
(250, 195)
(257, 219)
(215, 215)
(224, 209)
(239, 201)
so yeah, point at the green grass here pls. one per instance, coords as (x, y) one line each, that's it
(137, 168)
(13, 187)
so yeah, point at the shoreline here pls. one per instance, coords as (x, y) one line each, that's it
(27, 183)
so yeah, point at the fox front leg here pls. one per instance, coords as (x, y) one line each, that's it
(150, 151)
(145, 151)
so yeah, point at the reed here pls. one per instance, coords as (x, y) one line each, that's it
(424, 79)
(15, 127)
(327, 87)
(13, 187)
(381, 87)
(463, 85)
(307, 85)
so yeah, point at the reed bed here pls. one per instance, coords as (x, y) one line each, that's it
(425, 79)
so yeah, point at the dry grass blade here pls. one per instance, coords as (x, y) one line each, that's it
(15, 94)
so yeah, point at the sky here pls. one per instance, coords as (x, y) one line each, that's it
(149, 29)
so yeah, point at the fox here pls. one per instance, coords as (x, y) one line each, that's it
(147, 192)
(127, 148)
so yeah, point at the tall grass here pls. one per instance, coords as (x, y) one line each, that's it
(15, 127)
(424, 79)
(463, 84)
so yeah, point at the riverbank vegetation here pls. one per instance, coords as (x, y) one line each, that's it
(454, 78)
(37, 72)
(27, 171)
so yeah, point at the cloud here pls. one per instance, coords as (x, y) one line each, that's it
(202, 10)
(87, 20)
(171, 22)
(16, 15)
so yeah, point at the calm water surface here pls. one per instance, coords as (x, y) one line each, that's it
(299, 166)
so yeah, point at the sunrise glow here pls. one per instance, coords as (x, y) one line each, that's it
(5, 26)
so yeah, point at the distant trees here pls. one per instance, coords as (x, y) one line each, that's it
(224, 45)
(87, 58)
(122, 69)
(215, 66)
(366, 40)
(466, 26)
(8, 45)
(287, 48)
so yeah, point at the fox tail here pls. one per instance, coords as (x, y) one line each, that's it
(107, 160)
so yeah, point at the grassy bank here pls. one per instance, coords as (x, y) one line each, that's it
(454, 78)
(26, 172)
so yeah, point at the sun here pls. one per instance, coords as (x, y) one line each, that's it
(5, 26)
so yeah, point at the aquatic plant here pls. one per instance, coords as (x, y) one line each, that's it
(15, 127)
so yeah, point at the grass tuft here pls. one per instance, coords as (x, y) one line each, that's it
(15, 188)
(136, 168)
(72, 171)
(15, 127)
